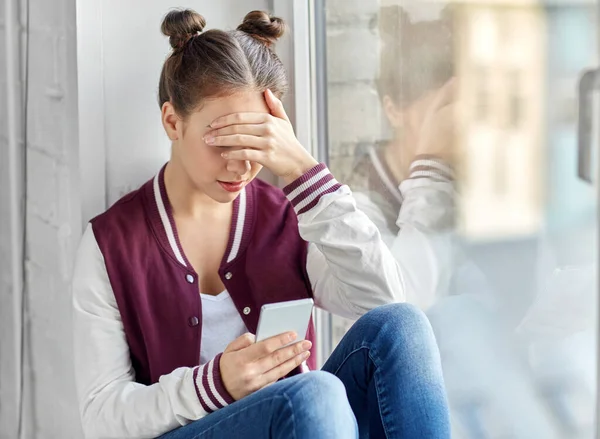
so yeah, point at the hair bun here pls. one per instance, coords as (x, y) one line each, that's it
(393, 21)
(180, 25)
(261, 26)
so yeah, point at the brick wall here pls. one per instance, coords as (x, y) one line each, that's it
(354, 110)
(352, 61)
(52, 228)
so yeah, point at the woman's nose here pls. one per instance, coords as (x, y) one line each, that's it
(240, 167)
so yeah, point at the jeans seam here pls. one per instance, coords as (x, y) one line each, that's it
(377, 390)
(289, 402)
(348, 356)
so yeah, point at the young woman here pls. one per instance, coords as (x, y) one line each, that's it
(170, 280)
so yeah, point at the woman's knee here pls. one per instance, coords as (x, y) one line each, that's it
(405, 311)
(320, 390)
(320, 401)
(398, 318)
(397, 327)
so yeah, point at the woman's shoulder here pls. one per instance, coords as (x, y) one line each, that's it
(126, 213)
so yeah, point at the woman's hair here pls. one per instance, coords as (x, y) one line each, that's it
(219, 63)
(415, 57)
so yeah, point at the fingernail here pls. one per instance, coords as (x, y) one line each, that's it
(306, 344)
(306, 354)
(209, 140)
(224, 155)
(291, 336)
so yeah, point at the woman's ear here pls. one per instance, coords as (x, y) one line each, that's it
(171, 122)
(393, 114)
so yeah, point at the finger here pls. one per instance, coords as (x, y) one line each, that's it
(243, 341)
(252, 129)
(239, 118)
(283, 355)
(282, 370)
(233, 140)
(275, 105)
(271, 344)
(251, 155)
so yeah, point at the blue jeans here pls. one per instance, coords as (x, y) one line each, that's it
(384, 380)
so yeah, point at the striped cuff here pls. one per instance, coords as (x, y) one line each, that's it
(306, 191)
(211, 392)
(431, 167)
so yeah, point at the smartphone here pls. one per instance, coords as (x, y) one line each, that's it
(277, 318)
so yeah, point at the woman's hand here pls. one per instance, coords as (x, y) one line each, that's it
(267, 139)
(247, 366)
(437, 129)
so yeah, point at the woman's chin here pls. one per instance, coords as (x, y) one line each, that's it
(220, 195)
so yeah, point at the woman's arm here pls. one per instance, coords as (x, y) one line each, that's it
(425, 257)
(350, 268)
(112, 404)
(423, 243)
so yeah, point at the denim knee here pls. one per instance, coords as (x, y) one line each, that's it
(320, 407)
(396, 324)
(402, 316)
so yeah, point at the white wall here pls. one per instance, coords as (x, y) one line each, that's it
(115, 54)
(52, 228)
(6, 305)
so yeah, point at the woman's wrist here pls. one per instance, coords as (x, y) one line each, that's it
(426, 165)
(305, 192)
(302, 168)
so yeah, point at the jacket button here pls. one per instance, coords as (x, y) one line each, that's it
(193, 321)
(228, 275)
(247, 310)
(190, 278)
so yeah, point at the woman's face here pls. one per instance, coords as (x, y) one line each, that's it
(208, 171)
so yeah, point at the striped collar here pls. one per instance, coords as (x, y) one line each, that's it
(162, 221)
(385, 175)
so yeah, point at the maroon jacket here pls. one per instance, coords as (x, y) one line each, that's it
(156, 287)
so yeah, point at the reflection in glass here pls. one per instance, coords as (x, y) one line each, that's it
(459, 142)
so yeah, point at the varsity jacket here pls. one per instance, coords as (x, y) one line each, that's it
(416, 219)
(137, 309)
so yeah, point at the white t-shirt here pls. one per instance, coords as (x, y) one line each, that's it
(221, 324)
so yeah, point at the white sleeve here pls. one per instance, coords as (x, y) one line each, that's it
(112, 404)
(424, 245)
(350, 268)
(423, 257)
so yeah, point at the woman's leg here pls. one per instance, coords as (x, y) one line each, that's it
(389, 363)
(307, 406)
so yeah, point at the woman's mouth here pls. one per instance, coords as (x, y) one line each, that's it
(232, 186)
